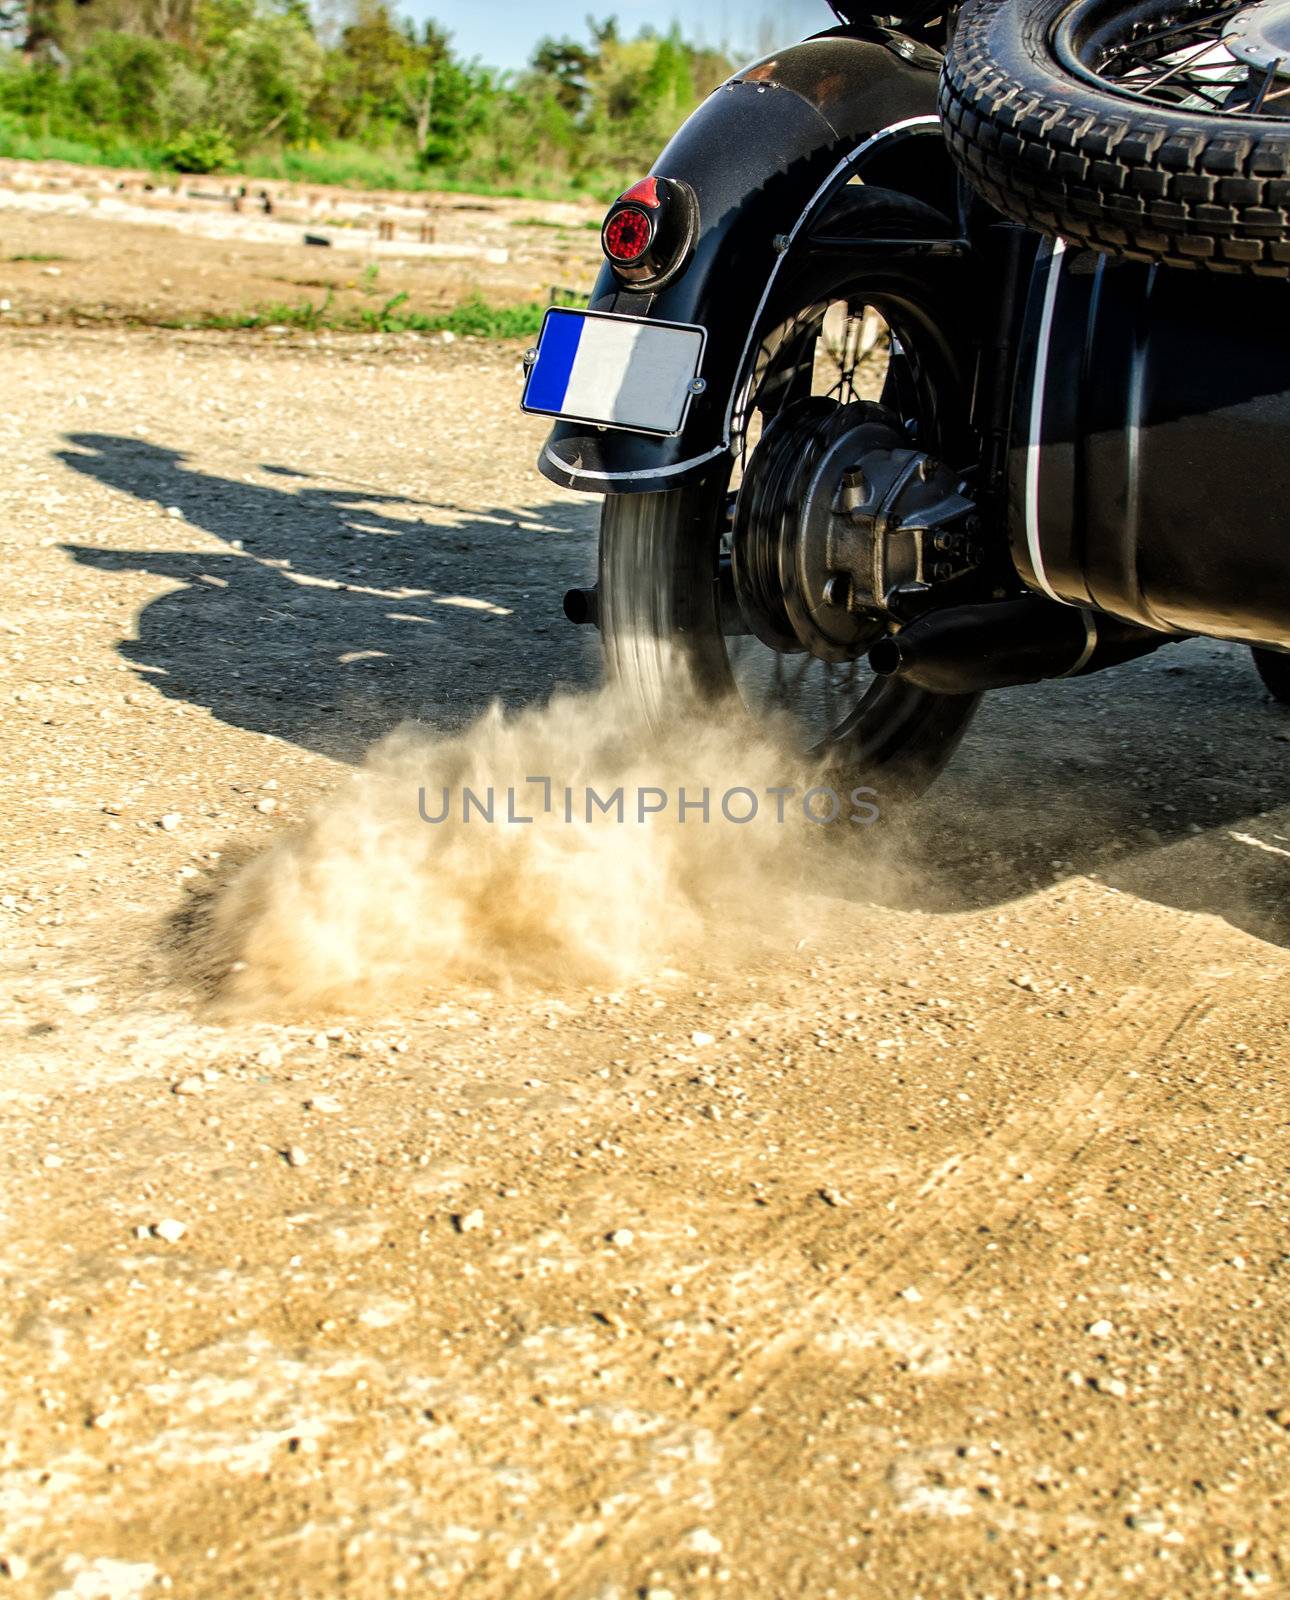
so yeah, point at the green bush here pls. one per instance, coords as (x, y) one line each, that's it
(199, 150)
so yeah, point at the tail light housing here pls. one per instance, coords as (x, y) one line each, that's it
(650, 231)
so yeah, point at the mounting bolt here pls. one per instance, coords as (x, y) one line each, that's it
(697, 385)
(781, 242)
(837, 591)
(946, 541)
(853, 491)
(926, 467)
(942, 570)
(530, 358)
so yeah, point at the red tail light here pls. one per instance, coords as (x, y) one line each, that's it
(644, 193)
(650, 232)
(628, 234)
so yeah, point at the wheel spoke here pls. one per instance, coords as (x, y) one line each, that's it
(1181, 60)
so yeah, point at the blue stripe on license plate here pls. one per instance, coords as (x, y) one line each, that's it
(549, 381)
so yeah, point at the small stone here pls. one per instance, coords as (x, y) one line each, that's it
(1281, 1416)
(833, 1197)
(700, 1040)
(702, 1542)
(169, 1230)
(269, 1056)
(188, 1086)
(621, 1237)
(319, 1041)
(469, 1221)
(1146, 1522)
(448, 337)
(911, 1295)
(52, 1161)
(267, 806)
(327, 1104)
(173, 511)
(170, 821)
(294, 1156)
(1115, 1387)
(13, 1566)
(1101, 1329)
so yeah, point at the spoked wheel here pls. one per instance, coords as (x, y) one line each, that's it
(1201, 55)
(1153, 129)
(842, 342)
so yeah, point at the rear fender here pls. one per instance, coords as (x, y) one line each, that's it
(763, 154)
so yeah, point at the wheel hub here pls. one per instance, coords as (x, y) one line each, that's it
(841, 524)
(1259, 36)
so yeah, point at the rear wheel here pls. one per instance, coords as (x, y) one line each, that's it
(842, 333)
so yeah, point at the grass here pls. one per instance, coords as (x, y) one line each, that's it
(343, 164)
(37, 255)
(474, 318)
(346, 165)
(19, 145)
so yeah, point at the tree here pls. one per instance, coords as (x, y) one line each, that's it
(13, 23)
(567, 67)
(265, 78)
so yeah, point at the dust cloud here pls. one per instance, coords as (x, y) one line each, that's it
(375, 900)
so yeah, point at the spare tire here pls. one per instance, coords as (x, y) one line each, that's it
(1156, 131)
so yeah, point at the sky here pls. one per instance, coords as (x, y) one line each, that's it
(502, 33)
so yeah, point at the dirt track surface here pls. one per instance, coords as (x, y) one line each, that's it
(942, 1252)
(74, 248)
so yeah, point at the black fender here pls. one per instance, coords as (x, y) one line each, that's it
(763, 154)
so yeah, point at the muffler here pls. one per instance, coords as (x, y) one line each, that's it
(1008, 642)
(582, 606)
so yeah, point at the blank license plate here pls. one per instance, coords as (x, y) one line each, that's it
(619, 372)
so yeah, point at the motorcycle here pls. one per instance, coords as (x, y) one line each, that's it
(941, 353)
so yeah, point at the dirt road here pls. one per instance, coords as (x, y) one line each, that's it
(939, 1249)
(90, 246)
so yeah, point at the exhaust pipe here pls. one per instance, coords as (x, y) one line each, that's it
(1008, 642)
(583, 607)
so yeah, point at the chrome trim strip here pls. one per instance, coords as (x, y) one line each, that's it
(928, 123)
(632, 477)
(1034, 449)
(1090, 644)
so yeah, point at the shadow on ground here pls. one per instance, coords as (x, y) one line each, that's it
(335, 613)
(1167, 778)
